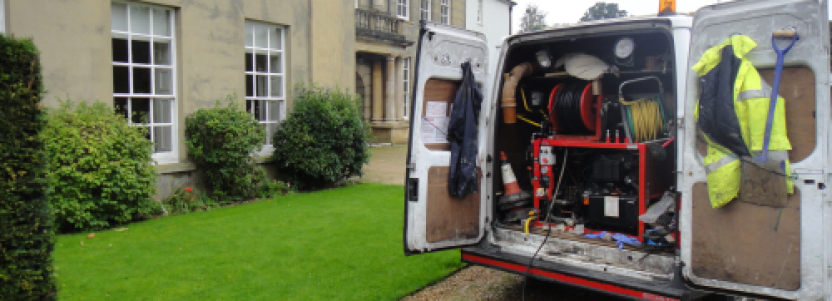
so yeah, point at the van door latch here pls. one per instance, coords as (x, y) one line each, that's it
(413, 190)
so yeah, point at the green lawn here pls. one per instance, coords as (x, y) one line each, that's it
(339, 244)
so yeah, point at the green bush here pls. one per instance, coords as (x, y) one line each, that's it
(26, 229)
(100, 169)
(220, 142)
(323, 141)
(188, 200)
(274, 188)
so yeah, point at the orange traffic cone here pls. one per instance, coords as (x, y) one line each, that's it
(513, 196)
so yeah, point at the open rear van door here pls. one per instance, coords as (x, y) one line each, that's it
(748, 248)
(434, 220)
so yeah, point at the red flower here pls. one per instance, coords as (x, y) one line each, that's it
(189, 189)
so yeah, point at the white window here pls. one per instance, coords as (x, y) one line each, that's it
(445, 11)
(2, 16)
(265, 76)
(479, 11)
(424, 10)
(144, 60)
(406, 85)
(402, 8)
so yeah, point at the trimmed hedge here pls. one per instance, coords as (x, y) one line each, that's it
(220, 142)
(324, 140)
(100, 167)
(26, 238)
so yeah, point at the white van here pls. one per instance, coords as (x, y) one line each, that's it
(612, 172)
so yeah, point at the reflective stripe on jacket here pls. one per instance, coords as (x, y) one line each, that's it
(733, 84)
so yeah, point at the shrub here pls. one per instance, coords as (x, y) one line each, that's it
(324, 140)
(220, 142)
(188, 200)
(100, 170)
(26, 238)
(274, 188)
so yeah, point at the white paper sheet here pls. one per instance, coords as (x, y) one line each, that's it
(434, 129)
(436, 109)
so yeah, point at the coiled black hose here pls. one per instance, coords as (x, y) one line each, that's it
(568, 108)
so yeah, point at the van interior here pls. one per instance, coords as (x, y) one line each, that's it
(589, 140)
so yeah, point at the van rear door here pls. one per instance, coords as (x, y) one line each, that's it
(748, 248)
(434, 220)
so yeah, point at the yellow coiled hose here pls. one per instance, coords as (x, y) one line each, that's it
(645, 118)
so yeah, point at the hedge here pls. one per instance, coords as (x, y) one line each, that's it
(26, 239)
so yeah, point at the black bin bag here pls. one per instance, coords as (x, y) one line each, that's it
(462, 134)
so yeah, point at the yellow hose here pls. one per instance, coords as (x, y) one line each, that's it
(527, 120)
(646, 118)
(525, 105)
(528, 221)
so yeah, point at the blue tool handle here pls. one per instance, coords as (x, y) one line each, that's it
(778, 70)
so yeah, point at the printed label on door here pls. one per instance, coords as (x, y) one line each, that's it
(611, 206)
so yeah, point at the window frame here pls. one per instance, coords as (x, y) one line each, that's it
(3, 16)
(445, 12)
(406, 87)
(162, 157)
(403, 9)
(424, 12)
(265, 102)
(479, 12)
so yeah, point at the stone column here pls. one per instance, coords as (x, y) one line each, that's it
(400, 89)
(390, 91)
(378, 98)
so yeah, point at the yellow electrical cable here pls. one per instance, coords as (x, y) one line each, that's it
(523, 94)
(646, 118)
(527, 120)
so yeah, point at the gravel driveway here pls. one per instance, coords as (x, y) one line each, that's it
(474, 282)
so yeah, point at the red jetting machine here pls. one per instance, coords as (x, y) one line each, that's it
(598, 161)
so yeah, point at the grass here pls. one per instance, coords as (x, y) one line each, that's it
(338, 244)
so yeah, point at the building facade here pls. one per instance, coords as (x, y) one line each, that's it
(493, 19)
(385, 51)
(165, 59)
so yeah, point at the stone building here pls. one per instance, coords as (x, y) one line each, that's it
(168, 58)
(385, 49)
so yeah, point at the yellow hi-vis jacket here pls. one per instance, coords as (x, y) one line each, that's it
(751, 98)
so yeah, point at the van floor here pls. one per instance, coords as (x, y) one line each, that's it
(563, 235)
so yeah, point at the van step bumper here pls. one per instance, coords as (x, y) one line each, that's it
(656, 289)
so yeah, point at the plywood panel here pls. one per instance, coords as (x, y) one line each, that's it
(439, 90)
(449, 217)
(797, 87)
(746, 243)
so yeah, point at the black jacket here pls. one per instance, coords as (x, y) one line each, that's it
(462, 134)
(717, 118)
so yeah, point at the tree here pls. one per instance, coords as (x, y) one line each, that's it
(603, 10)
(533, 19)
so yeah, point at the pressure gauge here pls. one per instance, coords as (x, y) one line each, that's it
(624, 47)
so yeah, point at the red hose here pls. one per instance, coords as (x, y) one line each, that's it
(668, 142)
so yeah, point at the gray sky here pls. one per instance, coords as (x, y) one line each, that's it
(570, 11)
